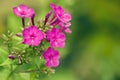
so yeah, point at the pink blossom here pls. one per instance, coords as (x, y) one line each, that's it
(23, 11)
(65, 27)
(60, 13)
(56, 38)
(32, 36)
(52, 57)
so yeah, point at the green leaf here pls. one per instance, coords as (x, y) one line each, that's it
(33, 76)
(4, 37)
(6, 62)
(3, 54)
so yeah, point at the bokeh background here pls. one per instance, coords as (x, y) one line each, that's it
(92, 51)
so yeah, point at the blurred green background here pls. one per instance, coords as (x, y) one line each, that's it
(92, 51)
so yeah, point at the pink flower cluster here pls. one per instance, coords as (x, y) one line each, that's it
(33, 36)
(60, 18)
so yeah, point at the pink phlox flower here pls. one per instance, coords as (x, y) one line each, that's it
(32, 36)
(56, 38)
(65, 27)
(52, 57)
(23, 11)
(60, 13)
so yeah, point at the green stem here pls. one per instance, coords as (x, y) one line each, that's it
(12, 71)
(11, 67)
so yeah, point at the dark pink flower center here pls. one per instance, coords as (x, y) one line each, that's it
(50, 57)
(32, 36)
(23, 13)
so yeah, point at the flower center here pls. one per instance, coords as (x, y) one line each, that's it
(51, 56)
(32, 36)
(23, 13)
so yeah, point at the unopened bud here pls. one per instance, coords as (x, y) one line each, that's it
(18, 34)
(12, 57)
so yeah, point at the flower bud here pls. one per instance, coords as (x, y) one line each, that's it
(18, 34)
(12, 57)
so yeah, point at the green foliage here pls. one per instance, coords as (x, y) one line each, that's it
(26, 58)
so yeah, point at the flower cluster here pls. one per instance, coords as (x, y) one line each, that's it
(34, 35)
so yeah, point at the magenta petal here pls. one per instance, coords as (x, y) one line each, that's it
(56, 55)
(54, 7)
(55, 63)
(60, 11)
(62, 26)
(54, 31)
(61, 36)
(66, 17)
(48, 35)
(30, 13)
(54, 44)
(16, 12)
(36, 43)
(65, 27)
(49, 64)
(23, 7)
(27, 41)
(61, 44)
(68, 31)
(52, 63)
(58, 43)
(68, 25)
